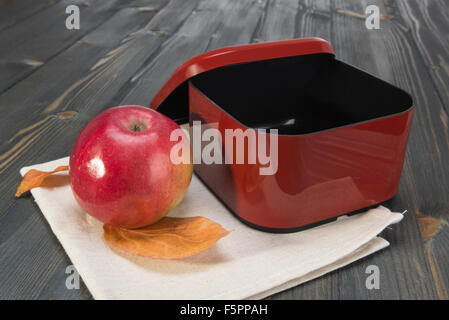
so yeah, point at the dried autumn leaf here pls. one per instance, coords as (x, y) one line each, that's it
(169, 238)
(35, 178)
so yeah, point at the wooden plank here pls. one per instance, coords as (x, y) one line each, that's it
(429, 25)
(239, 25)
(203, 30)
(53, 290)
(26, 45)
(84, 63)
(12, 12)
(428, 22)
(279, 21)
(429, 154)
(314, 19)
(26, 262)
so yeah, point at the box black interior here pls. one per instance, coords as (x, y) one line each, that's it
(296, 95)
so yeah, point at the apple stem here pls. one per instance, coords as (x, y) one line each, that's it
(137, 125)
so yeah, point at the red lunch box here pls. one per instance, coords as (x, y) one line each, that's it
(341, 132)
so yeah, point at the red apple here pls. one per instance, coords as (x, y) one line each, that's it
(120, 167)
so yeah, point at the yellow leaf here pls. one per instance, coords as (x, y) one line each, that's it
(35, 178)
(169, 238)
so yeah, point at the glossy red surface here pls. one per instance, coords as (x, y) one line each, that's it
(239, 54)
(123, 177)
(320, 175)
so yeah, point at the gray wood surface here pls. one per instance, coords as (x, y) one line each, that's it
(53, 81)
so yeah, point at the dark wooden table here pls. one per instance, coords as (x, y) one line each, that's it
(54, 80)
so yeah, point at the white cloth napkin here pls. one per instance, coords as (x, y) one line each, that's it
(247, 264)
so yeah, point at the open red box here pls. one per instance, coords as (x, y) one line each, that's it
(342, 133)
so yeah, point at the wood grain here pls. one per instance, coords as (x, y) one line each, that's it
(52, 82)
(28, 41)
(192, 38)
(428, 22)
(12, 12)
